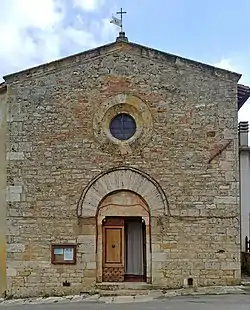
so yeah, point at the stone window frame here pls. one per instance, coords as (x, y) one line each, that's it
(128, 104)
(63, 246)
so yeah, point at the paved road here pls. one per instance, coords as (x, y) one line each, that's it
(225, 302)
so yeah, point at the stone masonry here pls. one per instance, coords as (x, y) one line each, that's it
(187, 144)
(2, 192)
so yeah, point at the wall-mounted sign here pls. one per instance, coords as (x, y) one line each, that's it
(63, 254)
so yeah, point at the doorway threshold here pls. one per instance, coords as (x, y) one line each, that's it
(124, 285)
(132, 278)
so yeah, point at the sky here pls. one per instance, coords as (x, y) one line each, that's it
(216, 32)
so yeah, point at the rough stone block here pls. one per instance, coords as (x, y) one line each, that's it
(169, 246)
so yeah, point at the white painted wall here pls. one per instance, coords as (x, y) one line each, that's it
(244, 182)
(245, 195)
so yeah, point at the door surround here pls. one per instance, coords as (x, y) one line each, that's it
(123, 204)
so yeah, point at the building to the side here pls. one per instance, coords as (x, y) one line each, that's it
(244, 185)
(120, 165)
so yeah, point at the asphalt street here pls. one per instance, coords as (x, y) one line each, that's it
(225, 302)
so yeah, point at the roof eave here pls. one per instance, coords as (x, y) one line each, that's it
(3, 87)
(243, 93)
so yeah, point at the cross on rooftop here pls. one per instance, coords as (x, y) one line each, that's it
(121, 12)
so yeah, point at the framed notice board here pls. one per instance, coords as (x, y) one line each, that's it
(63, 254)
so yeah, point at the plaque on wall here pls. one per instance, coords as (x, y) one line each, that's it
(63, 254)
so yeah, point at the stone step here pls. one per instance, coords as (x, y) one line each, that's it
(127, 289)
(123, 292)
(245, 283)
(124, 286)
(132, 293)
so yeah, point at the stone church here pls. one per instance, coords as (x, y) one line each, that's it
(119, 165)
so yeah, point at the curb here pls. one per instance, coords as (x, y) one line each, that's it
(151, 296)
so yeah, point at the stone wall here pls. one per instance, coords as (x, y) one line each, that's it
(2, 193)
(54, 151)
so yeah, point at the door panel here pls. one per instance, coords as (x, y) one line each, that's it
(114, 246)
(113, 252)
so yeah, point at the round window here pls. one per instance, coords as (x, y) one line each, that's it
(122, 126)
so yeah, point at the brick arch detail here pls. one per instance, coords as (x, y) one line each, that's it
(122, 178)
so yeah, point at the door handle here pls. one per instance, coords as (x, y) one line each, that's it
(113, 246)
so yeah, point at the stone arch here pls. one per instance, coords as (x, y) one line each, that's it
(114, 203)
(122, 178)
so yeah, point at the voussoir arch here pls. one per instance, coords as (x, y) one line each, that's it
(122, 178)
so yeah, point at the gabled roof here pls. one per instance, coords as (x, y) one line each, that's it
(122, 43)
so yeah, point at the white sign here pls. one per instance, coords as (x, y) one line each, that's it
(58, 251)
(69, 254)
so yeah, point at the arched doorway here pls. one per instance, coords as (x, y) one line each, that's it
(123, 238)
(122, 193)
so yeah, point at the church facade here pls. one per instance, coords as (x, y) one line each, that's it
(121, 166)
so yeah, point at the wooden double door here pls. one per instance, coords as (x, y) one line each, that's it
(124, 250)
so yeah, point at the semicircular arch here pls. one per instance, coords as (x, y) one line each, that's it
(122, 178)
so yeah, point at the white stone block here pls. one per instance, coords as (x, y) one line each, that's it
(159, 257)
(15, 155)
(230, 266)
(91, 265)
(155, 247)
(86, 239)
(89, 257)
(15, 248)
(11, 272)
(83, 248)
(11, 197)
(226, 200)
(15, 189)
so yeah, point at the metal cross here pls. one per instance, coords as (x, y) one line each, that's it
(121, 13)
